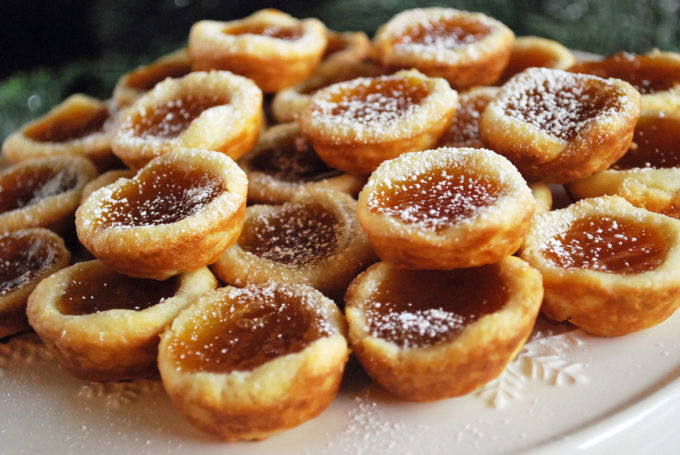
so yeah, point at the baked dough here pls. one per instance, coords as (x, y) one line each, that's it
(464, 128)
(536, 52)
(104, 179)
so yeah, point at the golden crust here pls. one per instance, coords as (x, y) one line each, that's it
(556, 156)
(464, 128)
(600, 302)
(483, 237)
(159, 251)
(272, 63)
(230, 125)
(359, 146)
(534, 51)
(277, 395)
(464, 65)
(51, 192)
(104, 179)
(271, 184)
(543, 197)
(39, 245)
(456, 366)
(112, 345)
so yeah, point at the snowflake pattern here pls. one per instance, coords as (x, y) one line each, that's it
(24, 349)
(118, 394)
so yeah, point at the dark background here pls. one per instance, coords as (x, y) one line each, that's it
(52, 48)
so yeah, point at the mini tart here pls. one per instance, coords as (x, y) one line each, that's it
(557, 126)
(536, 52)
(427, 334)
(179, 213)
(648, 175)
(356, 125)
(43, 192)
(445, 208)
(464, 129)
(104, 179)
(284, 163)
(26, 257)
(212, 111)
(139, 81)
(467, 49)
(103, 326)
(270, 47)
(608, 267)
(80, 125)
(345, 47)
(216, 371)
(543, 197)
(314, 239)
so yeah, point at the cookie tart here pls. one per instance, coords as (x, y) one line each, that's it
(608, 267)
(284, 163)
(356, 125)
(464, 129)
(26, 257)
(180, 212)
(213, 111)
(445, 208)
(248, 363)
(557, 126)
(427, 335)
(104, 179)
(103, 326)
(536, 52)
(270, 47)
(314, 239)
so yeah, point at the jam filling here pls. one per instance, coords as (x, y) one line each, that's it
(23, 258)
(450, 34)
(420, 308)
(655, 144)
(169, 119)
(295, 235)
(166, 194)
(465, 127)
(98, 289)
(145, 79)
(31, 185)
(436, 200)
(69, 126)
(608, 244)
(527, 58)
(256, 326)
(271, 31)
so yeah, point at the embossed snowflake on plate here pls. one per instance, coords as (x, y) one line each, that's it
(22, 349)
(118, 394)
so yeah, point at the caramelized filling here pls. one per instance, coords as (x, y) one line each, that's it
(420, 308)
(98, 289)
(296, 235)
(608, 244)
(258, 325)
(23, 258)
(170, 118)
(146, 78)
(69, 126)
(436, 200)
(452, 33)
(165, 195)
(335, 43)
(465, 126)
(272, 31)
(527, 58)
(655, 144)
(31, 185)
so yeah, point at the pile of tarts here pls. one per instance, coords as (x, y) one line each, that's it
(251, 209)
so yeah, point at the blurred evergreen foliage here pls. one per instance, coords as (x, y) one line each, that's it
(127, 33)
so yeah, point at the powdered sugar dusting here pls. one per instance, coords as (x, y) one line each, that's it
(428, 323)
(23, 256)
(27, 185)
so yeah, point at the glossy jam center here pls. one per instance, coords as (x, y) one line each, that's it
(420, 308)
(97, 289)
(22, 258)
(451, 34)
(164, 195)
(608, 244)
(30, 185)
(436, 200)
(527, 58)
(297, 235)
(464, 130)
(146, 78)
(68, 126)
(170, 118)
(255, 326)
(272, 31)
(656, 144)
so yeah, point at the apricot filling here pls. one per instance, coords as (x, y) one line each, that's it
(449, 33)
(169, 119)
(69, 126)
(33, 184)
(24, 257)
(270, 30)
(656, 144)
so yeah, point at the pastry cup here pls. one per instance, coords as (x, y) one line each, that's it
(270, 47)
(104, 179)
(445, 208)
(114, 342)
(293, 381)
(179, 213)
(543, 196)
(216, 111)
(536, 52)
(453, 361)
(464, 128)
(610, 294)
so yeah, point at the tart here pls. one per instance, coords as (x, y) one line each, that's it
(445, 208)
(216, 111)
(103, 326)
(27, 256)
(543, 197)
(104, 179)
(464, 129)
(270, 47)
(536, 52)
(80, 125)
(248, 363)
(557, 126)
(467, 49)
(608, 267)
(284, 163)
(426, 335)
(179, 213)
(356, 125)
(43, 192)
(314, 239)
